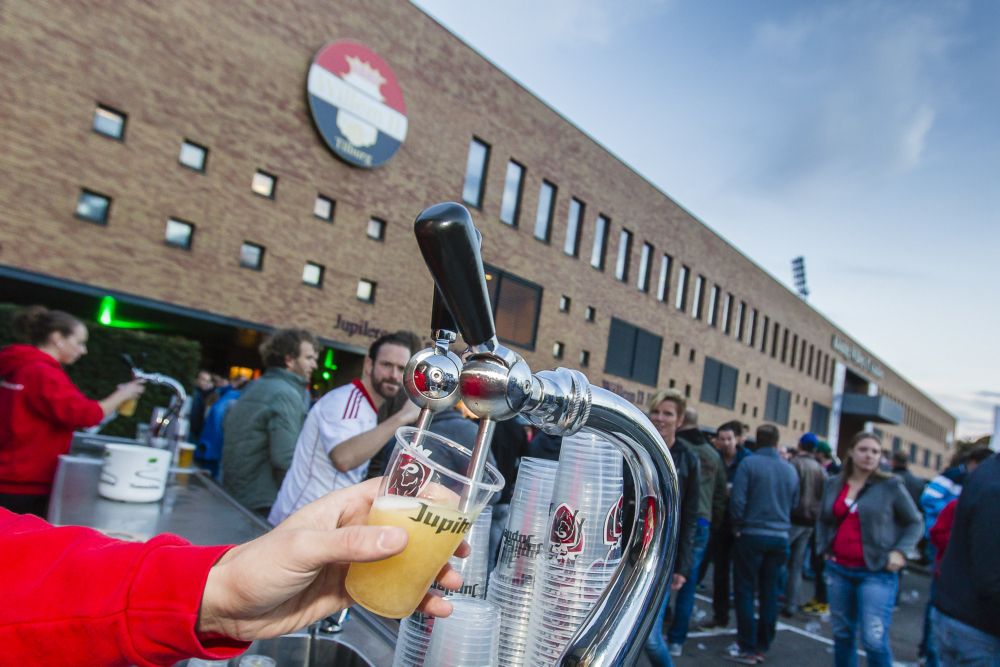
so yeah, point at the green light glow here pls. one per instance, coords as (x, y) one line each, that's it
(326, 375)
(106, 316)
(328, 359)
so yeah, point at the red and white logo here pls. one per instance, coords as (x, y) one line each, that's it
(409, 477)
(566, 539)
(356, 104)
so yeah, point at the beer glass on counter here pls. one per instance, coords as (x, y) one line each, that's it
(424, 491)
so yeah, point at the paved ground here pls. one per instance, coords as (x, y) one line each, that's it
(805, 641)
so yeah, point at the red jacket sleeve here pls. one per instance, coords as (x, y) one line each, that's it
(941, 530)
(72, 596)
(53, 395)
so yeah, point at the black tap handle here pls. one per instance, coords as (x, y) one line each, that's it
(450, 245)
(440, 315)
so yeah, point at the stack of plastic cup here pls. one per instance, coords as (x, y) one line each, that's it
(583, 546)
(415, 630)
(467, 638)
(512, 581)
(474, 567)
(413, 639)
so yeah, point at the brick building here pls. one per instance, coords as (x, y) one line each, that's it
(165, 154)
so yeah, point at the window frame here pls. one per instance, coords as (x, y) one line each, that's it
(103, 221)
(204, 156)
(574, 228)
(381, 228)
(599, 251)
(121, 114)
(274, 184)
(322, 274)
(483, 170)
(545, 223)
(260, 257)
(516, 217)
(371, 297)
(501, 277)
(623, 260)
(190, 237)
(333, 207)
(645, 266)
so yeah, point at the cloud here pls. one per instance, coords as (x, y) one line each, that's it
(858, 88)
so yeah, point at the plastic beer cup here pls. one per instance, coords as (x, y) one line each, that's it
(420, 492)
(127, 407)
(185, 455)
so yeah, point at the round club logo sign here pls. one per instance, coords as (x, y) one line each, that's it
(356, 103)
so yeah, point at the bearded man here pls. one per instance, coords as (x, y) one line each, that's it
(342, 433)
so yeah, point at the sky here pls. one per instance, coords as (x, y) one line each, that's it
(863, 135)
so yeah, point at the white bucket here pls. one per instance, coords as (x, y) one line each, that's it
(134, 473)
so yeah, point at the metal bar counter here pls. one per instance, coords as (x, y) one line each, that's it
(193, 506)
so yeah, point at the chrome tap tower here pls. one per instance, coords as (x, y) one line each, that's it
(495, 383)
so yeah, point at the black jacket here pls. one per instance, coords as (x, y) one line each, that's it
(969, 587)
(688, 478)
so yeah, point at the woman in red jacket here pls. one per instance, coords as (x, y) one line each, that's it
(40, 407)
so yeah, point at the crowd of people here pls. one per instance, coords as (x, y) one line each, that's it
(755, 513)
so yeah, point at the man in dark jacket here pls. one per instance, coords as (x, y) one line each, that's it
(764, 492)
(811, 479)
(967, 605)
(665, 410)
(262, 426)
(712, 495)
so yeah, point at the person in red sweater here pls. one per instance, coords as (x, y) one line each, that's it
(84, 599)
(40, 407)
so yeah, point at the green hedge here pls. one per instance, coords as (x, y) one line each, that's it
(102, 369)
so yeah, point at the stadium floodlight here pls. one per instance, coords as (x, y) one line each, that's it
(799, 275)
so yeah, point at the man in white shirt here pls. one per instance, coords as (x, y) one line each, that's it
(342, 433)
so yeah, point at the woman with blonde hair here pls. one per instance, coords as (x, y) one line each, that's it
(867, 524)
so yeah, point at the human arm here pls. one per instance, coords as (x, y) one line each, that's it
(360, 448)
(49, 393)
(295, 574)
(738, 495)
(688, 521)
(124, 392)
(908, 520)
(284, 422)
(87, 599)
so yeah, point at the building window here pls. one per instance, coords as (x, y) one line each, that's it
(802, 355)
(193, 156)
(743, 410)
(323, 208)
(574, 225)
(752, 328)
(585, 359)
(820, 421)
(602, 226)
(376, 229)
(546, 207)
(663, 287)
(764, 332)
(937, 462)
(179, 233)
(557, 350)
(513, 186)
(564, 303)
(713, 306)
(93, 207)
(774, 340)
(727, 314)
(913, 452)
(755, 412)
(740, 317)
(795, 347)
(624, 254)
(758, 382)
(475, 173)
(699, 296)
(691, 355)
(312, 274)
(682, 288)
(263, 184)
(633, 353)
(687, 391)
(366, 291)
(927, 458)
(809, 365)
(645, 265)
(589, 314)
(677, 349)
(252, 256)
(516, 304)
(784, 346)
(776, 406)
(672, 383)
(718, 384)
(109, 122)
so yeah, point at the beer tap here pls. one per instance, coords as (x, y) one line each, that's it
(495, 384)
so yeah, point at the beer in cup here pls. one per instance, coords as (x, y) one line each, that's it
(421, 492)
(127, 407)
(185, 455)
